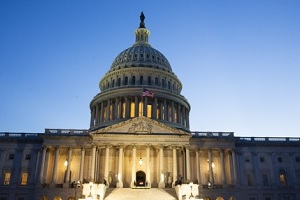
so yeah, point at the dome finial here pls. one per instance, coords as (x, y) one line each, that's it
(142, 18)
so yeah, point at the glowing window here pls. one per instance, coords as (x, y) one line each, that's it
(123, 109)
(24, 178)
(149, 110)
(282, 177)
(141, 108)
(7, 177)
(132, 109)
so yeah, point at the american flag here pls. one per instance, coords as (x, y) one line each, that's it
(147, 93)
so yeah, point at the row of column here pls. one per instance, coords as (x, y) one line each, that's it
(95, 160)
(119, 108)
(44, 163)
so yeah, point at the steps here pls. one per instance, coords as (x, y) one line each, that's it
(140, 194)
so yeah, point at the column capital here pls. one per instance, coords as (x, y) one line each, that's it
(133, 146)
(121, 145)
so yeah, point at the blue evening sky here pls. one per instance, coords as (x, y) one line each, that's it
(238, 60)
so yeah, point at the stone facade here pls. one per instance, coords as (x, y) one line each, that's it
(139, 139)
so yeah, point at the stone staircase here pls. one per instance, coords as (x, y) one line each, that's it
(140, 194)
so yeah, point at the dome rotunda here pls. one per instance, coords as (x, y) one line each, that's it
(136, 69)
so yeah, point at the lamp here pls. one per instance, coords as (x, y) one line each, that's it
(91, 185)
(66, 163)
(191, 185)
(140, 161)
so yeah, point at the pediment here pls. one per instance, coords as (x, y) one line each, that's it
(141, 125)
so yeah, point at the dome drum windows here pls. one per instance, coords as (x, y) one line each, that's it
(126, 80)
(135, 106)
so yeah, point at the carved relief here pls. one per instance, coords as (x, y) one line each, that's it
(140, 127)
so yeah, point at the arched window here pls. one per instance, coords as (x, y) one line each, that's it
(156, 81)
(133, 80)
(113, 83)
(149, 80)
(282, 177)
(119, 82)
(141, 80)
(126, 80)
(169, 85)
(163, 83)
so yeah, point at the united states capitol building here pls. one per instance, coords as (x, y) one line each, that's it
(139, 139)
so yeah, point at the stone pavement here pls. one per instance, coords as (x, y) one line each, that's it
(140, 194)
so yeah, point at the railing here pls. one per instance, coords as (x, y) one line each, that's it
(18, 135)
(267, 139)
(212, 134)
(67, 131)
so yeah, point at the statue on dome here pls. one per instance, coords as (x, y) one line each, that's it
(142, 18)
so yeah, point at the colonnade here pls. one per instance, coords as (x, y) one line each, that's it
(135, 106)
(203, 157)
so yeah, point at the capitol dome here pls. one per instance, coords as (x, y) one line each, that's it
(136, 69)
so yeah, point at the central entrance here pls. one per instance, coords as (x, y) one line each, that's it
(140, 179)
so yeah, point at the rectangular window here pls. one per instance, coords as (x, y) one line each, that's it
(24, 178)
(265, 180)
(132, 109)
(262, 159)
(7, 176)
(250, 180)
(141, 106)
(247, 160)
(149, 110)
(11, 156)
(297, 159)
(27, 156)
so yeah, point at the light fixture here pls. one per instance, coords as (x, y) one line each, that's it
(91, 185)
(140, 161)
(66, 163)
(213, 164)
(191, 185)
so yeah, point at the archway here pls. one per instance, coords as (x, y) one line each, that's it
(140, 178)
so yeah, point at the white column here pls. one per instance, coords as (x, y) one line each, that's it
(54, 176)
(133, 171)
(161, 168)
(210, 166)
(120, 175)
(81, 164)
(200, 177)
(197, 166)
(174, 165)
(69, 164)
(106, 168)
(43, 164)
(92, 175)
(188, 163)
(234, 167)
(223, 177)
(148, 179)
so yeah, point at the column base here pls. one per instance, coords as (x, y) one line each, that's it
(161, 185)
(119, 184)
(132, 184)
